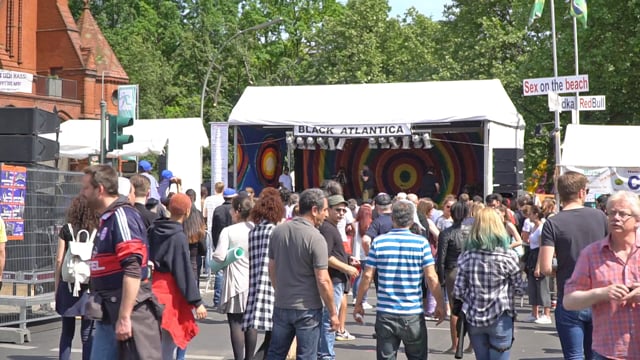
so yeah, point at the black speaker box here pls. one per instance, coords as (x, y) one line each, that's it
(27, 148)
(27, 121)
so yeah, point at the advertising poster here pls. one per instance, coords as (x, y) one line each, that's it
(13, 186)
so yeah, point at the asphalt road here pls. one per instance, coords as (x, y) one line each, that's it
(532, 341)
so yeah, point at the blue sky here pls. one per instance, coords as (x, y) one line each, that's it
(431, 8)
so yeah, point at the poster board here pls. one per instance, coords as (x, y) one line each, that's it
(13, 189)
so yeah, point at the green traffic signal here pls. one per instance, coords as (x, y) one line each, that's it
(116, 138)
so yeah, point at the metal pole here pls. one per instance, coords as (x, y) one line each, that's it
(576, 118)
(235, 157)
(556, 120)
(103, 122)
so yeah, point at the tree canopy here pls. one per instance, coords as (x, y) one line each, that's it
(166, 47)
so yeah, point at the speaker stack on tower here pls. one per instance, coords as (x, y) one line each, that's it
(508, 171)
(19, 130)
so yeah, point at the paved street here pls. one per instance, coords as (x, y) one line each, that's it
(532, 341)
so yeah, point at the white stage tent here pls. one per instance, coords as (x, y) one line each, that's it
(608, 167)
(186, 137)
(413, 105)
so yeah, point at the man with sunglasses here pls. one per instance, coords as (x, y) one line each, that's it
(339, 270)
(566, 234)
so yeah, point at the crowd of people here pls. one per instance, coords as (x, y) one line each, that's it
(284, 263)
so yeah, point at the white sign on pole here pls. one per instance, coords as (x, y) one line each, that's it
(219, 152)
(584, 103)
(554, 101)
(561, 84)
(15, 81)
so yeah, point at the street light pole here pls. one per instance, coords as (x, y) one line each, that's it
(103, 121)
(215, 56)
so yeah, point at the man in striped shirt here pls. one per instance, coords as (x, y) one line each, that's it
(401, 258)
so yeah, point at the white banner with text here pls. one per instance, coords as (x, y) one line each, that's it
(14, 81)
(353, 130)
(219, 153)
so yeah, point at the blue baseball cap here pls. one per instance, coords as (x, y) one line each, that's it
(166, 174)
(229, 193)
(144, 165)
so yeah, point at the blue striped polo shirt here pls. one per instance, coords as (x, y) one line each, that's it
(400, 257)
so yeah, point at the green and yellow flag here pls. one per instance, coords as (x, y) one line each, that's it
(579, 11)
(536, 11)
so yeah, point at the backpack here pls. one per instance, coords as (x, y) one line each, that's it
(75, 266)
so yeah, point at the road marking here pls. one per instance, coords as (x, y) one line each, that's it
(72, 350)
(195, 357)
(19, 347)
(545, 332)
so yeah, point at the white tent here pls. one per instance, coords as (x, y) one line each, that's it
(376, 104)
(608, 167)
(186, 137)
(405, 104)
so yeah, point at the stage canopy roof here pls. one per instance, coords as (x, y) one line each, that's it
(436, 102)
(584, 146)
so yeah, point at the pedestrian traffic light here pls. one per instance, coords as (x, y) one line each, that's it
(116, 138)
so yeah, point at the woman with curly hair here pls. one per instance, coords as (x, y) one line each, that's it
(80, 216)
(266, 214)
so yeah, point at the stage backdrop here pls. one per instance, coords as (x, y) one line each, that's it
(456, 158)
(261, 155)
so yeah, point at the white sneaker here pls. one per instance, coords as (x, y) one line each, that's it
(530, 319)
(366, 306)
(543, 320)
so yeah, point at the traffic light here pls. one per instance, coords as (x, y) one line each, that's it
(116, 138)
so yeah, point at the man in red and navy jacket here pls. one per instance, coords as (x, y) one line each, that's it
(130, 315)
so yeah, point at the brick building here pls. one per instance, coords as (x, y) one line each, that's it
(72, 63)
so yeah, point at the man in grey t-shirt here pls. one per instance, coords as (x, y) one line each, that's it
(298, 257)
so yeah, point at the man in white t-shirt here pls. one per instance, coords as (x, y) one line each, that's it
(285, 179)
(212, 202)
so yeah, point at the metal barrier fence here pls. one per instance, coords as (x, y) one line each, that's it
(28, 291)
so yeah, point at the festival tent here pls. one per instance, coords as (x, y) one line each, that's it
(608, 167)
(185, 138)
(478, 111)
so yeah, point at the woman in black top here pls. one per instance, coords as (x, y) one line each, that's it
(81, 217)
(450, 246)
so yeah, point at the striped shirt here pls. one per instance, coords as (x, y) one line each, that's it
(615, 324)
(400, 258)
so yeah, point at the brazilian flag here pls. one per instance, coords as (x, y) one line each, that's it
(536, 11)
(579, 11)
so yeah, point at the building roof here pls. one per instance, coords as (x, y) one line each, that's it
(99, 50)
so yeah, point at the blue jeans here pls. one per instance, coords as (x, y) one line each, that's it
(105, 345)
(356, 283)
(392, 328)
(489, 341)
(66, 337)
(303, 324)
(328, 336)
(181, 353)
(574, 330)
(217, 288)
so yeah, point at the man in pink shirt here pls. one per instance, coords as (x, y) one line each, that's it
(607, 279)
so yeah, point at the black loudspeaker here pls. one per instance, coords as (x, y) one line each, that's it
(508, 170)
(27, 148)
(28, 121)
